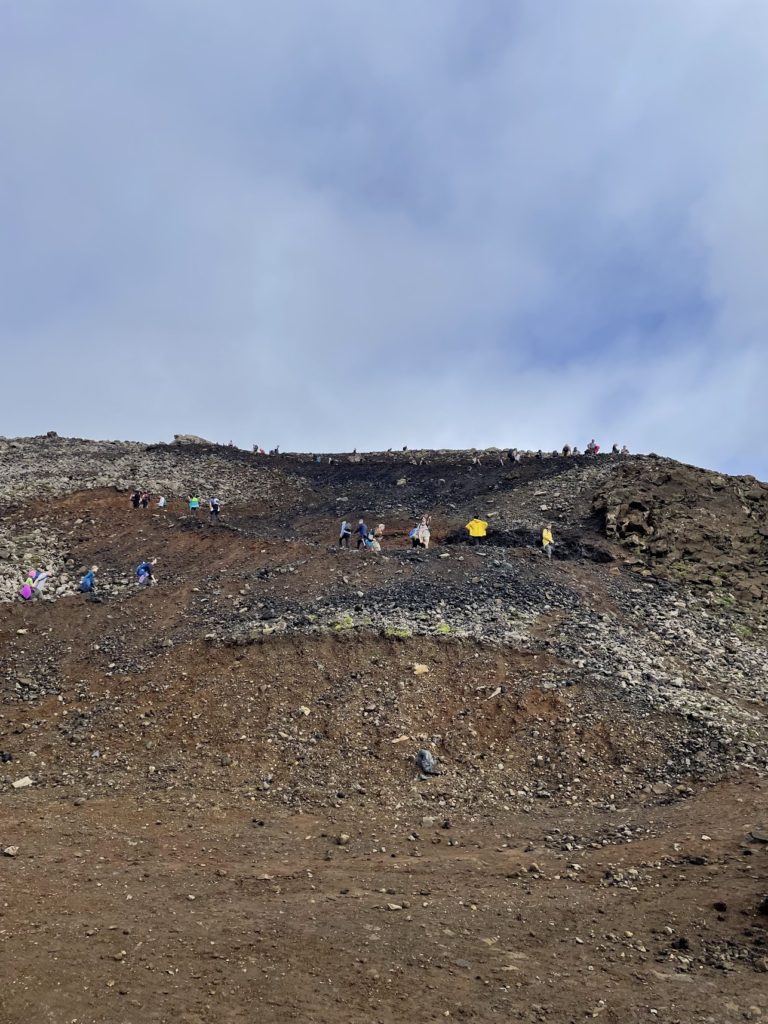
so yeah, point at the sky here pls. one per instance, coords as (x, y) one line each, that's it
(329, 224)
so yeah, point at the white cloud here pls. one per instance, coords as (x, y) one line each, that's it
(442, 223)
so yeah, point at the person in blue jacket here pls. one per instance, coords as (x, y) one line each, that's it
(362, 533)
(144, 572)
(88, 582)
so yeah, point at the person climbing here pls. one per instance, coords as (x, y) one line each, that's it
(88, 581)
(40, 582)
(547, 540)
(362, 533)
(194, 504)
(27, 590)
(144, 499)
(624, 450)
(413, 536)
(378, 532)
(136, 499)
(566, 449)
(345, 532)
(144, 574)
(214, 507)
(477, 529)
(423, 531)
(161, 503)
(615, 450)
(372, 543)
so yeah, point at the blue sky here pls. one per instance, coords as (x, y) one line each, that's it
(340, 224)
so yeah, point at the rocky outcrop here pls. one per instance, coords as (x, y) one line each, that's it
(190, 439)
(688, 524)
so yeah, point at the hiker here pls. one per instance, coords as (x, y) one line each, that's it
(136, 499)
(372, 542)
(423, 532)
(378, 531)
(194, 504)
(547, 540)
(592, 448)
(615, 449)
(40, 581)
(624, 450)
(161, 502)
(419, 535)
(88, 582)
(566, 449)
(144, 499)
(345, 532)
(144, 573)
(29, 589)
(362, 533)
(477, 529)
(214, 507)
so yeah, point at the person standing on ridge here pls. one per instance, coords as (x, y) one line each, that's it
(477, 529)
(362, 534)
(345, 532)
(547, 540)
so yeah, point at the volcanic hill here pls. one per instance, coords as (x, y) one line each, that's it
(212, 802)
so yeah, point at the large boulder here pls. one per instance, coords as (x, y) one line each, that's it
(190, 439)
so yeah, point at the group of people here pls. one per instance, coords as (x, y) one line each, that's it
(214, 507)
(144, 576)
(593, 448)
(141, 499)
(419, 535)
(370, 539)
(36, 580)
(367, 538)
(33, 585)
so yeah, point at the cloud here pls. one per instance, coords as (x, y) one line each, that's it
(343, 225)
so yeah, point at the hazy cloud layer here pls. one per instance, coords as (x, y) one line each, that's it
(338, 224)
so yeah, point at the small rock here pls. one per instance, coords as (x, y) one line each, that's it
(10, 851)
(22, 783)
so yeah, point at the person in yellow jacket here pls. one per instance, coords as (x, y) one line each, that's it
(547, 540)
(477, 530)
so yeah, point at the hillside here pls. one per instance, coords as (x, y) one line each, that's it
(226, 805)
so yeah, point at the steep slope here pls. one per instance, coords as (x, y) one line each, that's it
(271, 687)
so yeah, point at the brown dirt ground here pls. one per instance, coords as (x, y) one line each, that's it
(194, 909)
(190, 896)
